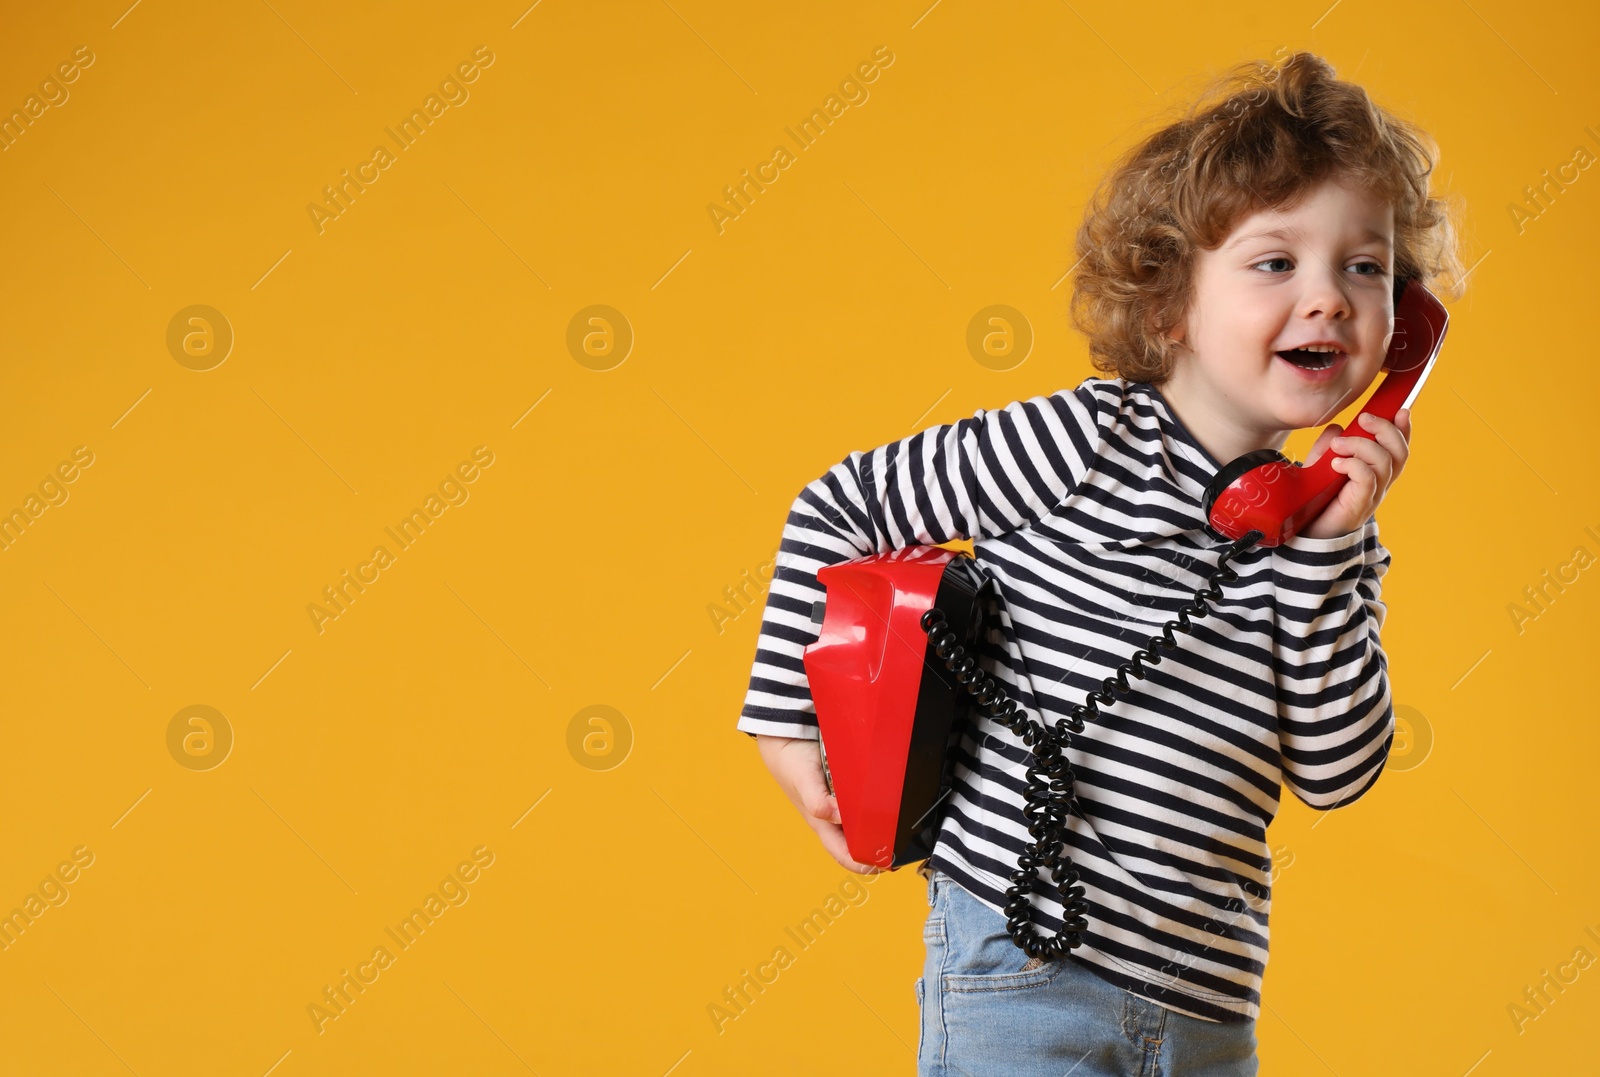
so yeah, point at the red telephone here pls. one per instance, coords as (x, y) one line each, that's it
(1267, 492)
(893, 675)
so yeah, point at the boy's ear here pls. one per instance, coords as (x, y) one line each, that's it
(1174, 335)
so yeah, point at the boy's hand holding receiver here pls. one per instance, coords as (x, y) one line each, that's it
(796, 765)
(1372, 466)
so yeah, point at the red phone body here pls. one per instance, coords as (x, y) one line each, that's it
(886, 715)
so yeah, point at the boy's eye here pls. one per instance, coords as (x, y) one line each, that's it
(1268, 261)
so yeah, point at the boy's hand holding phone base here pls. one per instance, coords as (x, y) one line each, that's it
(796, 765)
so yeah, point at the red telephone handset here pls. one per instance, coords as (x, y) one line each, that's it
(1265, 491)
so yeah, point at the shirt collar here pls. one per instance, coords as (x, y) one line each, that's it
(1169, 420)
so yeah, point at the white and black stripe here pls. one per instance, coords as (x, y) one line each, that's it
(1085, 506)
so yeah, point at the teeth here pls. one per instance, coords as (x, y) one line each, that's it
(1327, 357)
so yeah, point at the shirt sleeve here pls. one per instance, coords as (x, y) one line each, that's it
(997, 472)
(1335, 711)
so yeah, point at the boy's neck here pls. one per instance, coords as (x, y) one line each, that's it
(1210, 419)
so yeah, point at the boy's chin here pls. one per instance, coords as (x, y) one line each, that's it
(1305, 414)
(1302, 406)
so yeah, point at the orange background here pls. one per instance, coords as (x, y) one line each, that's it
(637, 873)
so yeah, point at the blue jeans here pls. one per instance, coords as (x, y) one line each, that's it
(985, 1012)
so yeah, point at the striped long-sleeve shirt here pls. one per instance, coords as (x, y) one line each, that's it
(1085, 508)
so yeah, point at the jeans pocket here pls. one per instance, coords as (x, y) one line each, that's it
(981, 956)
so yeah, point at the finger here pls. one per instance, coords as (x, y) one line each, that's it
(1391, 437)
(1384, 467)
(1366, 450)
(810, 790)
(833, 840)
(820, 804)
(1324, 439)
(1359, 472)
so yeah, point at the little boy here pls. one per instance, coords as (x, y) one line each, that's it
(1236, 276)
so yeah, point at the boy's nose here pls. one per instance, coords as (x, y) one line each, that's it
(1324, 295)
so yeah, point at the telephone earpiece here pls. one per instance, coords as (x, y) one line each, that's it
(1265, 491)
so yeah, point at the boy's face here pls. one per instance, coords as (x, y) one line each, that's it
(1327, 278)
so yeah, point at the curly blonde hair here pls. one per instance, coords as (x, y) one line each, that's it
(1261, 135)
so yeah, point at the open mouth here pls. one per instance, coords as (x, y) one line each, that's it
(1312, 362)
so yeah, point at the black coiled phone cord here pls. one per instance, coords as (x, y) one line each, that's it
(1049, 794)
